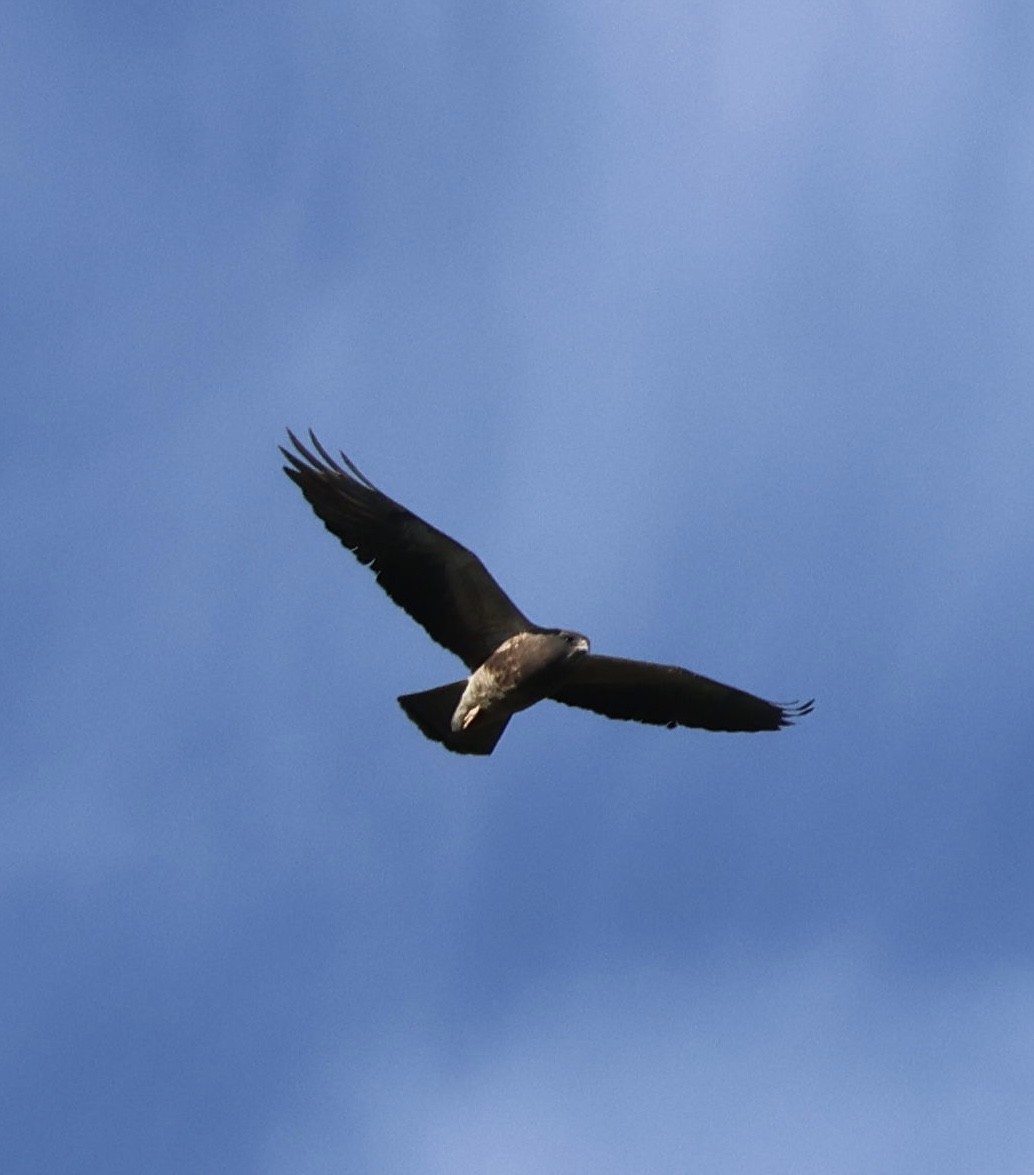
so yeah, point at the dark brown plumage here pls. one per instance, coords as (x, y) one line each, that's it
(513, 662)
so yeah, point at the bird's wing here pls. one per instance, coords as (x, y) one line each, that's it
(442, 585)
(665, 695)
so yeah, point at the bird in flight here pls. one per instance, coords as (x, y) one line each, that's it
(513, 663)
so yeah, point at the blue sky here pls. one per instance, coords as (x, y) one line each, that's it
(708, 326)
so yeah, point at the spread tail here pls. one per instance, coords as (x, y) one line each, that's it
(432, 711)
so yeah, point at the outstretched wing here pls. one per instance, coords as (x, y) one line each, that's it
(665, 695)
(442, 585)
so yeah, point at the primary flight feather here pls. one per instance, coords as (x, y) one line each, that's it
(513, 663)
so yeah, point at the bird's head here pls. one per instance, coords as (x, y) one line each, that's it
(577, 645)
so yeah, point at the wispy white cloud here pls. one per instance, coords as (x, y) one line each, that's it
(822, 1062)
(707, 327)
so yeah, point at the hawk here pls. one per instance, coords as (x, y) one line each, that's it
(513, 663)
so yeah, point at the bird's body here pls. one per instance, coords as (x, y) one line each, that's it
(513, 663)
(521, 672)
(470, 716)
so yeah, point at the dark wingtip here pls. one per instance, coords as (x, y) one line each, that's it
(791, 711)
(295, 463)
(306, 461)
(331, 463)
(324, 463)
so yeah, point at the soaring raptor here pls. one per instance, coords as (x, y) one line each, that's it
(513, 663)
